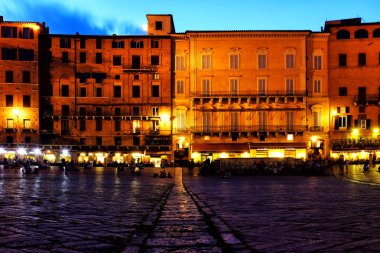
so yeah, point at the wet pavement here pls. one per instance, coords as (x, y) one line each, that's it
(102, 210)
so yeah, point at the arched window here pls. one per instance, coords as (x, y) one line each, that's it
(376, 33)
(343, 34)
(361, 34)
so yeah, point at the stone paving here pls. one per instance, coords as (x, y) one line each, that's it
(102, 210)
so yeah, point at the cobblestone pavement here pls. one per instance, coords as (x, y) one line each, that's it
(88, 211)
(295, 214)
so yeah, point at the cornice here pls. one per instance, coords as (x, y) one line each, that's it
(248, 33)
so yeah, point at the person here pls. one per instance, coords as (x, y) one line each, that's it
(169, 175)
(346, 166)
(366, 166)
(163, 163)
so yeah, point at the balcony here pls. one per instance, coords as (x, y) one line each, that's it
(316, 129)
(139, 69)
(158, 140)
(249, 129)
(249, 94)
(372, 99)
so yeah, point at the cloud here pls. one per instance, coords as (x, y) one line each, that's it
(68, 17)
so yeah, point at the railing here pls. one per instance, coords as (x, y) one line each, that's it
(371, 98)
(253, 128)
(316, 129)
(360, 143)
(269, 93)
(131, 68)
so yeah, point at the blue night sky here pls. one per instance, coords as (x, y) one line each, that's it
(106, 17)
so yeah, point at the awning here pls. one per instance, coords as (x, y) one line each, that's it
(221, 147)
(277, 145)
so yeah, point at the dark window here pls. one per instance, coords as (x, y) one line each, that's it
(136, 91)
(342, 91)
(26, 76)
(98, 125)
(9, 54)
(155, 60)
(379, 58)
(9, 32)
(117, 141)
(117, 60)
(155, 91)
(26, 54)
(26, 101)
(28, 139)
(342, 60)
(27, 33)
(361, 34)
(82, 92)
(362, 59)
(117, 91)
(65, 57)
(82, 77)
(158, 25)
(82, 125)
(65, 110)
(9, 100)
(117, 111)
(82, 57)
(135, 61)
(99, 92)
(65, 43)
(65, 90)
(117, 44)
(99, 58)
(65, 127)
(154, 43)
(82, 141)
(82, 111)
(136, 141)
(361, 109)
(376, 33)
(136, 111)
(343, 34)
(117, 125)
(117, 77)
(9, 139)
(82, 43)
(99, 141)
(137, 44)
(98, 111)
(99, 77)
(136, 77)
(98, 43)
(9, 76)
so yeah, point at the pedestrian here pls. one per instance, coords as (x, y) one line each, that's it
(346, 166)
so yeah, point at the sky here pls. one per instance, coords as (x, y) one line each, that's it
(126, 17)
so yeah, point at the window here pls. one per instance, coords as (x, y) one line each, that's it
(98, 58)
(180, 62)
(82, 57)
(99, 43)
(82, 92)
(135, 126)
(317, 62)
(137, 44)
(117, 44)
(65, 110)
(65, 90)
(98, 125)
(65, 43)
(136, 77)
(26, 101)
(234, 86)
(27, 33)
(206, 121)
(27, 124)
(117, 125)
(290, 121)
(65, 57)
(234, 121)
(234, 61)
(136, 141)
(155, 60)
(262, 61)
(361, 34)
(9, 32)
(135, 61)
(9, 76)
(9, 100)
(158, 25)
(206, 61)
(117, 140)
(342, 60)
(82, 125)
(136, 111)
(82, 141)
(117, 111)
(26, 54)
(362, 59)
(9, 139)
(289, 86)
(155, 91)
(82, 43)
(376, 33)
(342, 122)
(10, 123)
(154, 43)
(180, 87)
(342, 91)
(261, 86)
(26, 76)
(156, 76)
(290, 61)
(117, 60)
(206, 87)
(9, 54)
(117, 77)
(317, 87)
(342, 34)
(117, 91)
(262, 120)
(136, 91)
(99, 141)
(316, 118)
(181, 120)
(155, 111)
(99, 92)
(361, 109)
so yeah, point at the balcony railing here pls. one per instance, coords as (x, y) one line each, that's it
(316, 129)
(253, 128)
(370, 99)
(240, 94)
(132, 68)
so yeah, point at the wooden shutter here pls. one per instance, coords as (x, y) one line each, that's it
(336, 123)
(349, 120)
(368, 124)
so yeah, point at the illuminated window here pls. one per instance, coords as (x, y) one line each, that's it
(290, 61)
(262, 120)
(317, 86)
(234, 61)
(234, 86)
(180, 87)
(206, 121)
(156, 76)
(155, 111)
(9, 100)
(290, 121)
(10, 123)
(234, 121)
(136, 126)
(317, 118)
(180, 62)
(206, 87)
(342, 122)
(317, 62)
(27, 124)
(181, 120)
